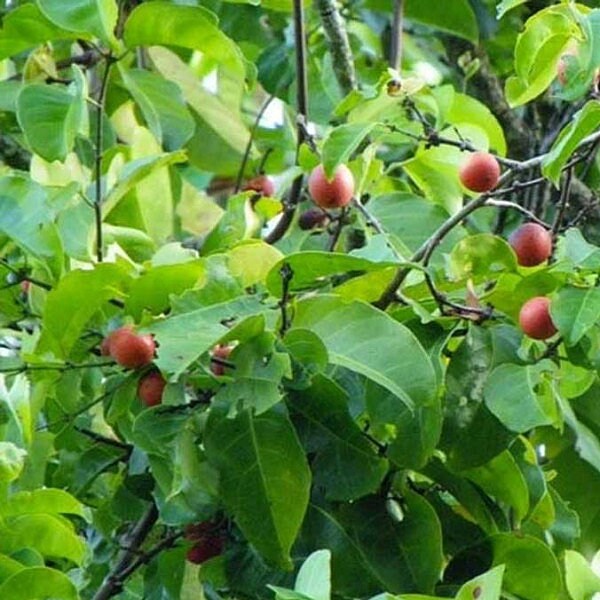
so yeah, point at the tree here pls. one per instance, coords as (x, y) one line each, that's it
(214, 386)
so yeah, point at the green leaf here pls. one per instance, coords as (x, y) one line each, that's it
(371, 551)
(580, 252)
(456, 17)
(50, 535)
(50, 117)
(162, 105)
(586, 121)
(218, 126)
(136, 171)
(73, 302)
(582, 582)
(575, 311)
(166, 24)
(179, 349)
(485, 587)
(265, 479)
(47, 500)
(252, 260)
(38, 582)
(354, 335)
(25, 27)
(532, 570)
(507, 5)
(480, 257)
(342, 142)
(520, 396)
(314, 576)
(412, 220)
(320, 414)
(537, 52)
(152, 290)
(309, 268)
(98, 17)
(502, 479)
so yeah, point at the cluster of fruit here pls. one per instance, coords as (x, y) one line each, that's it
(133, 350)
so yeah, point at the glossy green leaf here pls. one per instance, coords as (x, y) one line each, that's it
(25, 27)
(574, 311)
(96, 17)
(50, 118)
(327, 430)
(585, 122)
(519, 396)
(164, 23)
(456, 17)
(48, 534)
(581, 581)
(310, 268)
(265, 479)
(479, 257)
(485, 587)
(74, 302)
(39, 582)
(502, 479)
(48, 501)
(507, 5)
(342, 142)
(314, 576)
(354, 334)
(12, 460)
(538, 49)
(162, 104)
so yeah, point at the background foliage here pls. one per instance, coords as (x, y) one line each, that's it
(382, 425)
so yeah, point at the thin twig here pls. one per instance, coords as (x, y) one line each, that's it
(259, 116)
(287, 274)
(517, 207)
(563, 202)
(99, 152)
(339, 225)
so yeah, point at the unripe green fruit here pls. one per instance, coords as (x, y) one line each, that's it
(535, 319)
(532, 244)
(130, 349)
(334, 193)
(151, 388)
(480, 172)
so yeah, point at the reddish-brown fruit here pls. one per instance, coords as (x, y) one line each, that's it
(151, 388)
(130, 349)
(197, 531)
(205, 549)
(333, 193)
(312, 218)
(535, 319)
(480, 172)
(113, 335)
(25, 285)
(262, 184)
(532, 244)
(219, 352)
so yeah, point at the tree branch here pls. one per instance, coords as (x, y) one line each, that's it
(397, 35)
(339, 45)
(135, 538)
(302, 106)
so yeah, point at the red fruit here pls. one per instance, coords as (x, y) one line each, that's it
(480, 172)
(331, 194)
(25, 285)
(130, 349)
(208, 547)
(221, 352)
(262, 184)
(113, 335)
(151, 387)
(532, 244)
(535, 319)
